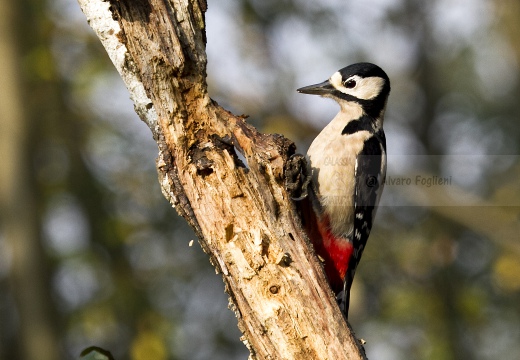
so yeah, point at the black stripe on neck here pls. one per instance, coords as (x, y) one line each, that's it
(364, 123)
(372, 107)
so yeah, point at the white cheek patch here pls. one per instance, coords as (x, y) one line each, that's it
(368, 88)
(365, 89)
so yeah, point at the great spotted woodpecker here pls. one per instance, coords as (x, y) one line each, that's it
(347, 163)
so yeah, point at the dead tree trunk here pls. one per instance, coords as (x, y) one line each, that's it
(240, 212)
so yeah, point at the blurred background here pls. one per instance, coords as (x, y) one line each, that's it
(92, 254)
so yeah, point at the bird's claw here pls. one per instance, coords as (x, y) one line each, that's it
(297, 177)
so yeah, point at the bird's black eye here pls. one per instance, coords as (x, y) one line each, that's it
(349, 84)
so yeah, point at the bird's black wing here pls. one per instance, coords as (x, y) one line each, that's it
(370, 173)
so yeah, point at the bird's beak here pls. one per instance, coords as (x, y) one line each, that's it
(317, 89)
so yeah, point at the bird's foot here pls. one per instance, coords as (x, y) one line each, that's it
(297, 177)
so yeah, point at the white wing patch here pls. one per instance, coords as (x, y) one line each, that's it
(365, 89)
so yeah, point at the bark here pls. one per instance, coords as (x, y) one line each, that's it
(241, 213)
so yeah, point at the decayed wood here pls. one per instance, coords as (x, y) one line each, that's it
(240, 212)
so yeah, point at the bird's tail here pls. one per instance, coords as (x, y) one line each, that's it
(343, 297)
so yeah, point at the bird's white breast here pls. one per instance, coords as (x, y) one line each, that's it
(332, 157)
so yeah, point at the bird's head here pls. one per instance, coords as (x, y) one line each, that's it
(362, 84)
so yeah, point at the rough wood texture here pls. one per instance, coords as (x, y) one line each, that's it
(241, 212)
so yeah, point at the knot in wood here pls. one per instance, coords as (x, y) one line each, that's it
(202, 163)
(273, 289)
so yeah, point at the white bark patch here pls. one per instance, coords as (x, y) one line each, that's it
(107, 29)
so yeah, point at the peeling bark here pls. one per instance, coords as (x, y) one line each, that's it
(241, 213)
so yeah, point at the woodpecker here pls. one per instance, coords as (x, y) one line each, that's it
(347, 166)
